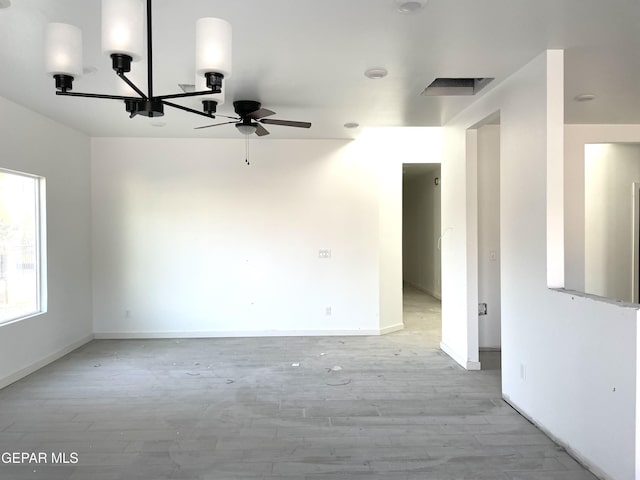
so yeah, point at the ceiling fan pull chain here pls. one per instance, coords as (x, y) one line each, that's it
(246, 139)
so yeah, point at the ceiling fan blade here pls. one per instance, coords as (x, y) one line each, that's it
(261, 131)
(260, 113)
(286, 123)
(214, 125)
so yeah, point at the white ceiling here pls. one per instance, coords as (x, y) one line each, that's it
(305, 60)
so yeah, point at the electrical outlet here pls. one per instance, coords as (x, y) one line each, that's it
(523, 372)
(482, 309)
(493, 256)
(327, 311)
(324, 253)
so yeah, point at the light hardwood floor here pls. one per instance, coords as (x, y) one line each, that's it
(217, 409)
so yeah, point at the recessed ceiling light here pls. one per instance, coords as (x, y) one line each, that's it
(584, 97)
(376, 73)
(5, 3)
(409, 7)
(351, 125)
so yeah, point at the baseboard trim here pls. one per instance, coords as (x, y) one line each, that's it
(392, 328)
(490, 349)
(460, 359)
(572, 452)
(236, 334)
(428, 291)
(14, 377)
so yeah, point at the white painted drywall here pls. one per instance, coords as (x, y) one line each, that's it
(188, 240)
(421, 232)
(610, 171)
(489, 234)
(34, 144)
(578, 354)
(576, 137)
(388, 148)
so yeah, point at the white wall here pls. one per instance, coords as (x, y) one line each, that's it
(564, 357)
(34, 144)
(188, 240)
(610, 171)
(421, 230)
(489, 234)
(388, 148)
(576, 136)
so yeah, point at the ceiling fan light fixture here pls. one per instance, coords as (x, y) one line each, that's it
(246, 128)
(121, 32)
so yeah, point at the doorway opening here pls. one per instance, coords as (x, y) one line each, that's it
(635, 254)
(488, 180)
(421, 261)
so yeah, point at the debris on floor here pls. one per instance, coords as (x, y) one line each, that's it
(193, 374)
(295, 364)
(229, 381)
(97, 365)
(346, 382)
(335, 368)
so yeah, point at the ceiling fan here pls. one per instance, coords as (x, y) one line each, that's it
(251, 116)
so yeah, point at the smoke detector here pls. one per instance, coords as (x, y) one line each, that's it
(409, 7)
(376, 73)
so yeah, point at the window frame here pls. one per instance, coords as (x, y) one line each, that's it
(40, 247)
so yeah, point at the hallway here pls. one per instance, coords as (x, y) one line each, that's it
(296, 408)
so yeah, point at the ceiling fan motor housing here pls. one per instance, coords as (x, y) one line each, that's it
(245, 107)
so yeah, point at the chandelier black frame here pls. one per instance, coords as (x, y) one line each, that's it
(148, 104)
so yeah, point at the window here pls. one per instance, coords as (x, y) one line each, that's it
(20, 245)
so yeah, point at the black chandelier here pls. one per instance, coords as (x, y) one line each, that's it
(122, 40)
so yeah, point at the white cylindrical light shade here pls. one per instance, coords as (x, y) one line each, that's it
(123, 27)
(246, 129)
(201, 86)
(63, 49)
(213, 46)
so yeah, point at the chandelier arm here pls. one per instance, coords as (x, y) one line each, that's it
(186, 94)
(132, 85)
(96, 95)
(149, 51)
(235, 119)
(187, 109)
(214, 125)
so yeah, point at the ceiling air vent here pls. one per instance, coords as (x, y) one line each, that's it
(456, 86)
